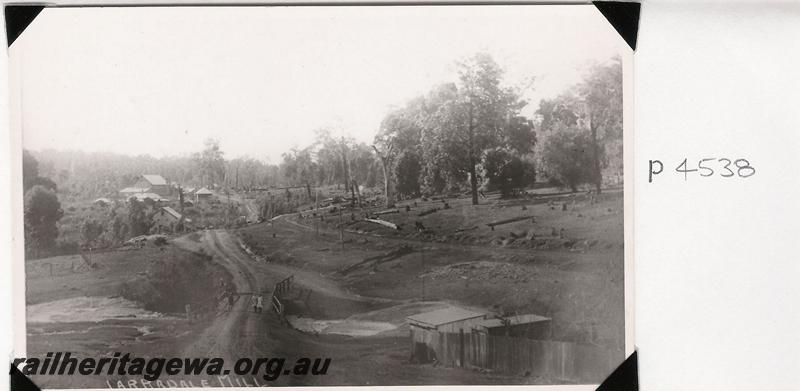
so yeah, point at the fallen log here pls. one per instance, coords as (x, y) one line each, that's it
(466, 229)
(378, 259)
(427, 212)
(507, 221)
(346, 223)
(386, 212)
(383, 223)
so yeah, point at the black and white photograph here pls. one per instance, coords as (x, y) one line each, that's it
(320, 195)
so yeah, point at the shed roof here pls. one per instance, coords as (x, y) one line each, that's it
(514, 320)
(172, 212)
(154, 180)
(135, 190)
(445, 316)
(203, 191)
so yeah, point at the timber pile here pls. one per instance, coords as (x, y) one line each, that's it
(508, 221)
(383, 223)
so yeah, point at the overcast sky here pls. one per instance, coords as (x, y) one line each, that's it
(160, 80)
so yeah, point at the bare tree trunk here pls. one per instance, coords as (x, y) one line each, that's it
(358, 191)
(473, 177)
(388, 184)
(352, 183)
(596, 171)
(237, 176)
(473, 182)
(345, 168)
(180, 198)
(352, 195)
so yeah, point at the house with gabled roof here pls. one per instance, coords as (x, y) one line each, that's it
(153, 183)
(168, 220)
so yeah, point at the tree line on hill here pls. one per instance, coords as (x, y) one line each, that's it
(463, 137)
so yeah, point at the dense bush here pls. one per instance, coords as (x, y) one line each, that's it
(42, 211)
(567, 158)
(507, 172)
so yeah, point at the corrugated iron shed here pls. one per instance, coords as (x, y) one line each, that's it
(135, 190)
(444, 316)
(514, 320)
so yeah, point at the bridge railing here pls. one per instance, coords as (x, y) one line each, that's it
(280, 288)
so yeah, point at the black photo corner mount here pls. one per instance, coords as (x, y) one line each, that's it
(624, 378)
(624, 16)
(18, 18)
(20, 382)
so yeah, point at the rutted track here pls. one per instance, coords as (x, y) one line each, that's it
(233, 333)
(237, 333)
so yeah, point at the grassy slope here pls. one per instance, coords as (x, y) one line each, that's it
(576, 280)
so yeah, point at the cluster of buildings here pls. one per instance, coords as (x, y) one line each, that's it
(154, 188)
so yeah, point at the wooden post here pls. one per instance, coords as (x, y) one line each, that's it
(341, 228)
(461, 348)
(422, 260)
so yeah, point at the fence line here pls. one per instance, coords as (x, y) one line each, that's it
(564, 361)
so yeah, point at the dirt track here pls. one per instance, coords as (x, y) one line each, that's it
(229, 334)
(235, 333)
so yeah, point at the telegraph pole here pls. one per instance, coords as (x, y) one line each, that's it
(422, 260)
(341, 228)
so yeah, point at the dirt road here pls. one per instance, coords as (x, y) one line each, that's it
(232, 334)
(235, 333)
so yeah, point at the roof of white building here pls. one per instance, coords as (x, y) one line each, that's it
(135, 190)
(154, 179)
(445, 316)
(514, 320)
